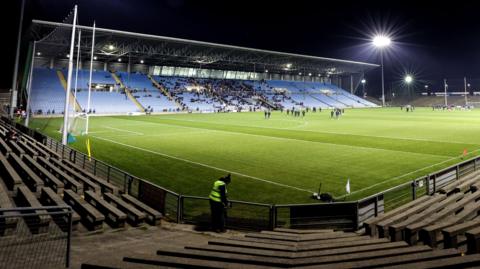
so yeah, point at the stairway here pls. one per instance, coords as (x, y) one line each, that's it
(128, 92)
(72, 99)
(162, 89)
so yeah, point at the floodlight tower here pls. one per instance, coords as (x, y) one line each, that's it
(408, 80)
(381, 42)
(363, 85)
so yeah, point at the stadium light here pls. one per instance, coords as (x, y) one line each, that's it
(68, 56)
(468, 85)
(266, 70)
(111, 47)
(142, 61)
(364, 81)
(309, 74)
(381, 42)
(426, 86)
(408, 79)
(39, 53)
(299, 73)
(119, 59)
(95, 58)
(289, 65)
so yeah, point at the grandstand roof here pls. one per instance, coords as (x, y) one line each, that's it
(54, 40)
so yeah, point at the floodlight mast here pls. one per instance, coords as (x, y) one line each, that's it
(382, 41)
(445, 87)
(465, 83)
(13, 97)
(69, 80)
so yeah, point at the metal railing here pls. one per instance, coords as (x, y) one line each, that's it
(35, 237)
(247, 215)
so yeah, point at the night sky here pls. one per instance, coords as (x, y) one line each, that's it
(432, 39)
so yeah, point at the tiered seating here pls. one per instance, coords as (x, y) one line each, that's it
(448, 219)
(191, 93)
(53, 181)
(146, 93)
(285, 248)
(47, 91)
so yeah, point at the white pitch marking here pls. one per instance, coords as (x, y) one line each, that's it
(121, 130)
(340, 133)
(202, 164)
(409, 173)
(300, 140)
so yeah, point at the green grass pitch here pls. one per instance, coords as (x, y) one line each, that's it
(283, 159)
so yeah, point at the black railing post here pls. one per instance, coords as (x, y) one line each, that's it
(108, 173)
(272, 216)
(180, 209)
(84, 160)
(356, 222)
(95, 166)
(457, 172)
(69, 238)
(376, 205)
(414, 190)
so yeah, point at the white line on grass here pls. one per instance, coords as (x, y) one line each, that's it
(327, 132)
(202, 164)
(409, 173)
(121, 130)
(302, 140)
(160, 135)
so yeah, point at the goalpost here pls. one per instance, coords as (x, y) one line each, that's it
(68, 107)
(76, 122)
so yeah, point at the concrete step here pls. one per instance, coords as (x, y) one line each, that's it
(396, 260)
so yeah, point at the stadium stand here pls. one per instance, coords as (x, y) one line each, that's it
(134, 92)
(35, 176)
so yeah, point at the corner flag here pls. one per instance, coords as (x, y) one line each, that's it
(88, 149)
(347, 187)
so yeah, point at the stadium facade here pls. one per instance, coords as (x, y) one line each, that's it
(144, 72)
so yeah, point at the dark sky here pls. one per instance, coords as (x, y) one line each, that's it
(433, 39)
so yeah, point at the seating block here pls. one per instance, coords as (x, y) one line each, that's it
(113, 216)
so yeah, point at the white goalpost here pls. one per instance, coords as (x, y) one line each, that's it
(90, 81)
(69, 81)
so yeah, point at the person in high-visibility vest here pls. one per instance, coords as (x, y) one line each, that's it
(219, 203)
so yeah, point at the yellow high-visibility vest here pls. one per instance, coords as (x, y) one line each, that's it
(215, 194)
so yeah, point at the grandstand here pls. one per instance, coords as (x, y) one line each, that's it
(176, 83)
(52, 194)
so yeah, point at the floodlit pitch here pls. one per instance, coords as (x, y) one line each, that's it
(282, 159)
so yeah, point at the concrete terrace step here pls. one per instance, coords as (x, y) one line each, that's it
(310, 237)
(178, 262)
(396, 260)
(299, 254)
(295, 231)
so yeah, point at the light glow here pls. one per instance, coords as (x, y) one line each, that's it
(381, 41)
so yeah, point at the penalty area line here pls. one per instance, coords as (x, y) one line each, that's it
(202, 164)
